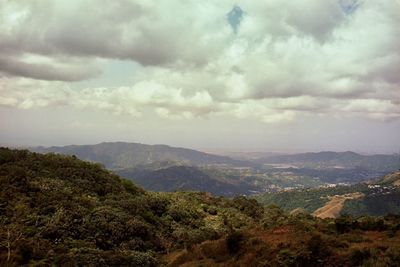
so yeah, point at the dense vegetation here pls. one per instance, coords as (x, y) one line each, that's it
(174, 178)
(59, 211)
(380, 198)
(164, 168)
(119, 155)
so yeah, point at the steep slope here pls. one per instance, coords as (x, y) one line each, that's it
(390, 179)
(56, 210)
(160, 167)
(184, 178)
(333, 208)
(378, 198)
(120, 155)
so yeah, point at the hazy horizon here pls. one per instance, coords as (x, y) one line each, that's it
(210, 150)
(266, 76)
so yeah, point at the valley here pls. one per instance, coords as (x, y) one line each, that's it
(144, 133)
(166, 168)
(324, 184)
(376, 198)
(56, 210)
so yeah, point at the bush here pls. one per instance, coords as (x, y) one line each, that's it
(358, 256)
(234, 242)
(250, 207)
(344, 224)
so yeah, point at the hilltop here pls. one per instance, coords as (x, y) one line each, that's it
(56, 210)
(164, 168)
(161, 167)
(120, 155)
(390, 179)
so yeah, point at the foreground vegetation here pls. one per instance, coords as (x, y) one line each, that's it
(59, 211)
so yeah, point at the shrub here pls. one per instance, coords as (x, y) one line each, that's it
(358, 256)
(234, 242)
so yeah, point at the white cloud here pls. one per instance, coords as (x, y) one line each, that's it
(287, 58)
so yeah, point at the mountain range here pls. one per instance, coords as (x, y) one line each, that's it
(56, 210)
(120, 155)
(161, 167)
(187, 178)
(166, 168)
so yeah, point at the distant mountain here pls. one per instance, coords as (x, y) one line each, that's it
(175, 178)
(375, 198)
(56, 210)
(119, 155)
(329, 159)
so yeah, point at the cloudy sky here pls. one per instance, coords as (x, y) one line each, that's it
(235, 75)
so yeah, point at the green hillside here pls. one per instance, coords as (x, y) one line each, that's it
(62, 210)
(119, 155)
(56, 210)
(165, 168)
(174, 178)
(381, 197)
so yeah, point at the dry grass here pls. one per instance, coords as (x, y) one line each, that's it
(333, 208)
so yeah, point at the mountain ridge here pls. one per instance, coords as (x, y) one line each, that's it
(116, 155)
(173, 178)
(56, 210)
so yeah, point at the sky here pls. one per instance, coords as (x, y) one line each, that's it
(271, 75)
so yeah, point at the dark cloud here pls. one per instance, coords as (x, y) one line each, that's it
(385, 69)
(318, 19)
(141, 32)
(48, 72)
(285, 59)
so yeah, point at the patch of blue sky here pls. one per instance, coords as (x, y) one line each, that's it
(349, 6)
(234, 17)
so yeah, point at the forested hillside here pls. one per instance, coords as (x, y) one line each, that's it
(59, 211)
(165, 168)
(189, 178)
(377, 198)
(119, 155)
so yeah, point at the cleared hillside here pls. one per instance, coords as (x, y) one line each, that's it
(334, 206)
(380, 197)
